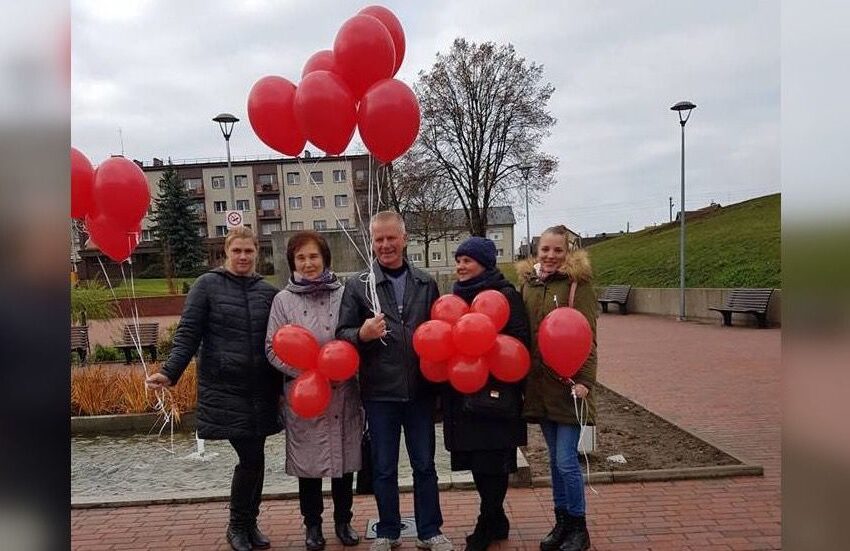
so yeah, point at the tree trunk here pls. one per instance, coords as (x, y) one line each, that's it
(168, 267)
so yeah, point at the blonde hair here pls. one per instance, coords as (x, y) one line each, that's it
(241, 232)
(388, 216)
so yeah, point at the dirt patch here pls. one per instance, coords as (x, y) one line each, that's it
(646, 441)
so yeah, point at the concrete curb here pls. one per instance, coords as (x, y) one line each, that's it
(662, 475)
(92, 425)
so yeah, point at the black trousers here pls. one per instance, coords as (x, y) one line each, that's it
(312, 504)
(246, 488)
(492, 489)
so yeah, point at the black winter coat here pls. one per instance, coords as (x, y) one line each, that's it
(226, 316)
(388, 372)
(463, 431)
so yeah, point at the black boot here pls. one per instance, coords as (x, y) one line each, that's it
(258, 539)
(480, 538)
(577, 538)
(314, 540)
(555, 537)
(241, 504)
(346, 534)
(498, 526)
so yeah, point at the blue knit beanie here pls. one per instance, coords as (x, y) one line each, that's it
(480, 249)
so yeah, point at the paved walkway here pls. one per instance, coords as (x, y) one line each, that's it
(722, 383)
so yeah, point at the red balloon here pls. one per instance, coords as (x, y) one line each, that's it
(338, 360)
(310, 394)
(494, 305)
(565, 339)
(393, 25)
(116, 243)
(364, 53)
(474, 334)
(508, 360)
(449, 308)
(120, 193)
(467, 374)
(388, 119)
(270, 110)
(323, 60)
(82, 181)
(325, 111)
(436, 372)
(296, 346)
(433, 341)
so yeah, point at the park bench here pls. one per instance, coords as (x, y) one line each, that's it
(147, 337)
(746, 301)
(615, 293)
(80, 341)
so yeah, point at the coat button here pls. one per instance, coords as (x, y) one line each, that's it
(327, 328)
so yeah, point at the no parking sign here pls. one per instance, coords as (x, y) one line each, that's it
(234, 218)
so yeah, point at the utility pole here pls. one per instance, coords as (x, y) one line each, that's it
(671, 208)
(627, 226)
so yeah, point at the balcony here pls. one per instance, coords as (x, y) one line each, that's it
(202, 215)
(195, 192)
(261, 189)
(268, 214)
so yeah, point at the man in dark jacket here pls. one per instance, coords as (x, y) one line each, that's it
(394, 393)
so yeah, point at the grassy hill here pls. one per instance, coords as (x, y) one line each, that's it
(735, 246)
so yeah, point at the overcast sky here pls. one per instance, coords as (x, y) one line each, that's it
(161, 70)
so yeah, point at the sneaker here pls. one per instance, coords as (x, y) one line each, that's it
(385, 544)
(437, 543)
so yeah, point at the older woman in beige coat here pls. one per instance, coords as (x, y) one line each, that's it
(327, 446)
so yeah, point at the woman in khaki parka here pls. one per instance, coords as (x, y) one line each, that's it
(558, 274)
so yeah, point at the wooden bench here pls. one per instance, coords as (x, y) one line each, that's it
(147, 337)
(80, 341)
(746, 301)
(618, 294)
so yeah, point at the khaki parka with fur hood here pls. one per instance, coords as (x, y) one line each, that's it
(547, 395)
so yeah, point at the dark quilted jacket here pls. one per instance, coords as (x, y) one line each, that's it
(224, 321)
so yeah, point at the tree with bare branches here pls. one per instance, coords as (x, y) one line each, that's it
(484, 114)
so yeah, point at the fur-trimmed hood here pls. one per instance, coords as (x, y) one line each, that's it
(576, 266)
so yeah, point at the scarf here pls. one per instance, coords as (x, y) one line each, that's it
(327, 281)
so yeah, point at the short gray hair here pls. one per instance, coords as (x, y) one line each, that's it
(388, 216)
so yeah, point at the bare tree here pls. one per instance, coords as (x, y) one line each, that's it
(484, 114)
(425, 202)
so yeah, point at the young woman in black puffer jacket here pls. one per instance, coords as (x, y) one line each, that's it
(486, 444)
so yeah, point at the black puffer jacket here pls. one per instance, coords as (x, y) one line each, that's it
(226, 316)
(388, 373)
(463, 431)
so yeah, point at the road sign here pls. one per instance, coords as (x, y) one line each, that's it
(234, 218)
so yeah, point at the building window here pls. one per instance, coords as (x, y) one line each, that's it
(267, 179)
(318, 202)
(217, 182)
(317, 177)
(240, 180)
(342, 223)
(360, 176)
(339, 176)
(219, 206)
(416, 257)
(202, 231)
(436, 255)
(247, 226)
(320, 225)
(243, 205)
(340, 200)
(147, 235)
(269, 204)
(193, 184)
(500, 253)
(295, 203)
(293, 178)
(296, 226)
(220, 231)
(268, 227)
(495, 236)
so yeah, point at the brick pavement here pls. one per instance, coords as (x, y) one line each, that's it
(722, 383)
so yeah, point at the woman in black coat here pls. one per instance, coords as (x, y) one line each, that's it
(224, 320)
(484, 443)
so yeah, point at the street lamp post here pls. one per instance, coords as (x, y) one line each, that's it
(526, 171)
(683, 108)
(226, 121)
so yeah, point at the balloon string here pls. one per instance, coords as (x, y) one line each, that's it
(581, 412)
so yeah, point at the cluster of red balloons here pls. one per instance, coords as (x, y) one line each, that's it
(343, 88)
(310, 393)
(565, 339)
(112, 200)
(461, 343)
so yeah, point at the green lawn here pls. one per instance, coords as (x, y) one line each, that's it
(737, 246)
(158, 287)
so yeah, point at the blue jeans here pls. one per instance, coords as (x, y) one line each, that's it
(567, 482)
(386, 420)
